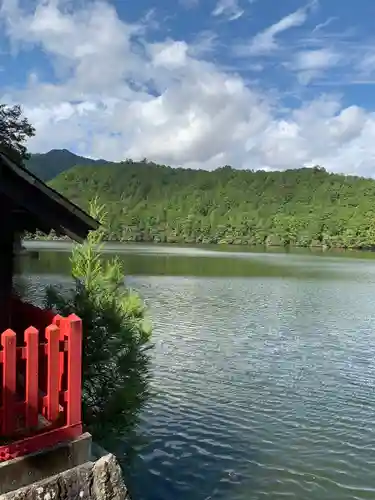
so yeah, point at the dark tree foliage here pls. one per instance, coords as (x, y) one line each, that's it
(301, 207)
(14, 131)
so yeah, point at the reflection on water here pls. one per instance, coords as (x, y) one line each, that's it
(155, 260)
(264, 368)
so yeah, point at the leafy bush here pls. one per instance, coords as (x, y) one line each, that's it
(116, 337)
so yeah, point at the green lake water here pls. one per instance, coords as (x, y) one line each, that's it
(264, 367)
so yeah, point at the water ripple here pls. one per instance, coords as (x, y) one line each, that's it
(263, 391)
(264, 387)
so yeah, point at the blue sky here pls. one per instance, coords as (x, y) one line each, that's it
(196, 83)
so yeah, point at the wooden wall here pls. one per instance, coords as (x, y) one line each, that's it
(6, 262)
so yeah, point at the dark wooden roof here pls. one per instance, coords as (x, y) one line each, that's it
(36, 206)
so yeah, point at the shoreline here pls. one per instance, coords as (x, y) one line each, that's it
(43, 242)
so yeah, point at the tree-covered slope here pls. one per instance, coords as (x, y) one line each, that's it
(303, 207)
(48, 165)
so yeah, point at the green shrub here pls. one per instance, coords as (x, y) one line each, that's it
(116, 337)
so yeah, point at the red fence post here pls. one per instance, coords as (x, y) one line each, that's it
(8, 341)
(32, 359)
(74, 379)
(53, 371)
(59, 321)
(46, 366)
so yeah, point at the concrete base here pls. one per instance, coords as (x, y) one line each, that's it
(29, 469)
(100, 480)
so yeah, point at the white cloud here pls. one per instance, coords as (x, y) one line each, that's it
(316, 59)
(228, 8)
(170, 54)
(365, 64)
(118, 96)
(310, 64)
(265, 41)
(324, 24)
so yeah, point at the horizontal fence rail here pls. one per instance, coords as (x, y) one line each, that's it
(40, 387)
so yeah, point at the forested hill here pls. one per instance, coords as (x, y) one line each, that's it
(48, 165)
(147, 202)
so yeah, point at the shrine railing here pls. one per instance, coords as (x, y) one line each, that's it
(40, 387)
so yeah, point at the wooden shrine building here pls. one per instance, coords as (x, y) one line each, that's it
(40, 359)
(28, 204)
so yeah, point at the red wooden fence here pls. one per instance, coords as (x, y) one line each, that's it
(40, 387)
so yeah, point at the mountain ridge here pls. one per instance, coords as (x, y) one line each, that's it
(306, 207)
(41, 164)
(49, 165)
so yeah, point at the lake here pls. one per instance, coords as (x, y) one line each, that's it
(264, 367)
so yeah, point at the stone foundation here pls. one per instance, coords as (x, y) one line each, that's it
(100, 480)
(23, 471)
(78, 470)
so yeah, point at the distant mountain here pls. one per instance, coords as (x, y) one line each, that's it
(49, 165)
(149, 202)
(303, 207)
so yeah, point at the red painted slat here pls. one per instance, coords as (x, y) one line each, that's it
(53, 337)
(61, 323)
(8, 341)
(74, 379)
(32, 358)
(59, 363)
(38, 442)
